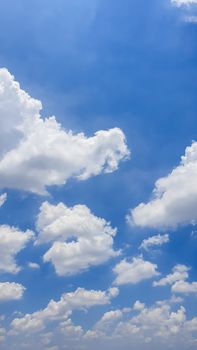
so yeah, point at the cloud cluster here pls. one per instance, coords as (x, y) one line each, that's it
(36, 152)
(163, 324)
(62, 309)
(79, 238)
(175, 197)
(135, 271)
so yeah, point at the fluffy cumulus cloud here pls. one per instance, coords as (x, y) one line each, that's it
(36, 152)
(156, 240)
(135, 271)
(175, 197)
(11, 291)
(12, 241)
(79, 238)
(62, 309)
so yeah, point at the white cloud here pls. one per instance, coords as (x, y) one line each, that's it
(184, 287)
(11, 291)
(3, 198)
(135, 271)
(156, 240)
(179, 272)
(33, 265)
(12, 241)
(36, 153)
(138, 305)
(60, 310)
(175, 197)
(157, 322)
(106, 322)
(178, 281)
(71, 331)
(183, 2)
(162, 325)
(80, 239)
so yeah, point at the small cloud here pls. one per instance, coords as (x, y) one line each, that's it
(33, 265)
(3, 198)
(156, 240)
(135, 271)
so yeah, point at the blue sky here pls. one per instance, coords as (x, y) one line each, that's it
(97, 207)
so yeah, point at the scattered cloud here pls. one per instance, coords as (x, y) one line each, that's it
(11, 291)
(178, 281)
(184, 287)
(175, 197)
(12, 241)
(80, 239)
(179, 272)
(156, 240)
(33, 265)
(190, 19)
(135, 271)
(36, 152)
(3, 198)
(183, 2)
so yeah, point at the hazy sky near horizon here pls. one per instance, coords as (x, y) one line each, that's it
(98, 174)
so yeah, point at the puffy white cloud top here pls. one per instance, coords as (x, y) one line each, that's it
(135, 271)
(175, 197)
(12, 241)
(79, 238)
(36, 152)
(11, 291)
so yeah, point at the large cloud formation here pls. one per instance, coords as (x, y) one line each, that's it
(36, 152)
(163, 324)
(79, 238)
(175, 197)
